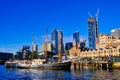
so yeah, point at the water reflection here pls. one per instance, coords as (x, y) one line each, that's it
(34, 74)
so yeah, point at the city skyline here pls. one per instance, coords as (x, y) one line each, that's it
(19, 19)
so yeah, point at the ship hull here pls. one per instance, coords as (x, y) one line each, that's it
(57, 65)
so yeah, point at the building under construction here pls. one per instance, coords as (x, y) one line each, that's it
(92, 30)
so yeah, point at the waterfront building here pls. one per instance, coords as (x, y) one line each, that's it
(34, 48)
(92, 32)
(60, 41)
(98, 54)
(116, 33)
(73, 52)
(107, 41)
(76, 37)
(54, 40)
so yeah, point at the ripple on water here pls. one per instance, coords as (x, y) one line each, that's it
(34, 74)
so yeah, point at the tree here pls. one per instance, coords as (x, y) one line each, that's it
(34, 55)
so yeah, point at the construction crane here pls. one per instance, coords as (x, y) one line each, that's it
(96, 15)
(89, 14)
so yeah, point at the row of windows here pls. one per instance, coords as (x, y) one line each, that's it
(111, 51)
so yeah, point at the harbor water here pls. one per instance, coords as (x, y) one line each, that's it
(35, 74)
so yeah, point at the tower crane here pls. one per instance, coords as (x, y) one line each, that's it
(89, 14)
(96, 15)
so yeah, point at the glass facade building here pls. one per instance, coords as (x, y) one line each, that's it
(76, 37)
(54, 39)
(60, 41)
(92, 32)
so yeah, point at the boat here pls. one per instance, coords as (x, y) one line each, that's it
(45, 63)
(41, 64)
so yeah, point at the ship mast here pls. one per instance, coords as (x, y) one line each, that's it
(46, 44)
(46, 34)
(32, 41)
(32, 44)
(60, 47)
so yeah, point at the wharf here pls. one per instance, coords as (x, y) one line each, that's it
(93, 65)
(79, 65)
(11, 64)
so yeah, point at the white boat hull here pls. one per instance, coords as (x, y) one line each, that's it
(57, 65)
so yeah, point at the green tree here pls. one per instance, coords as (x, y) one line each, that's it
(34, 55)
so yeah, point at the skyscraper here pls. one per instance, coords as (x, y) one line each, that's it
(92, 32)
(54, 39)
(76, 37)
(26, 51)
(34, 48)
(60, 41)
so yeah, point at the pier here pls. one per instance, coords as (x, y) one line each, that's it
(77, 65)
(92, 65)
(11, 64)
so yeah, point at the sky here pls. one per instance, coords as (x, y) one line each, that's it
(19, 19)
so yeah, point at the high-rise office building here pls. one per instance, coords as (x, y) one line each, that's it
(76, 37)
(26, 51)
(92, 32)
(60, 41)
(48, 46)
(54, 39)
(34, 48)
(116, 33)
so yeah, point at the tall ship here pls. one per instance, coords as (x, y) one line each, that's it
(47, 62)
(41, 64)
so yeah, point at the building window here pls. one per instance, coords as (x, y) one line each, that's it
(111, 51)
(104, 51)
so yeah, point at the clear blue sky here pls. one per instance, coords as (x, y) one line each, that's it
(20, 18)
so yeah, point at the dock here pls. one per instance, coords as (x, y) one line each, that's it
(77, 65)
(93, 65)
(11, 64)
